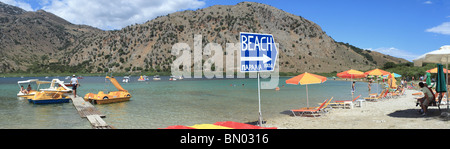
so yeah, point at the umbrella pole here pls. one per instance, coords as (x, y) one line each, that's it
(307, 98)
(351, 81)
(259, 102)
(377, 84)
(446, 83)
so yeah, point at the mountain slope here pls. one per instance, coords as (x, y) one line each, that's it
(303, 46)
(35, 37)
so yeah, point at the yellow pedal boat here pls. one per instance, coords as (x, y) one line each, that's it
(56, 93)
(111, 97)
(31, 92)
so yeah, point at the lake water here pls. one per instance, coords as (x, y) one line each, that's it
(158, 104)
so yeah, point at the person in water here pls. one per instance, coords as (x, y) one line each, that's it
(353, 87)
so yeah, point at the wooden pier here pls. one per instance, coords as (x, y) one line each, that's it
(87, 110)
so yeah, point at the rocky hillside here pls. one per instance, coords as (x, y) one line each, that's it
(30, 38)
(38, 41)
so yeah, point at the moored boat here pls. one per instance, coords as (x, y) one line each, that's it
(141, 78)
(111, 97)
(172, 78)
(28, 93)
(54, 94)
(126, 79)
(156, 78)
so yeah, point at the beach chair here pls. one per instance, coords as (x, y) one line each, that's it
(396, 94)
(343, 103)
(375, 94)
(311, 110)
(324, 108)
(389, 94)
(403, 92)
(380, 96)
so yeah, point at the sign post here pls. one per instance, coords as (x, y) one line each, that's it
(258, 54)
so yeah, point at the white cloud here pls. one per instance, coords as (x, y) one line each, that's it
(115, 14)
(18, 3)
(444, 28)
(395, 53)
(428, 2)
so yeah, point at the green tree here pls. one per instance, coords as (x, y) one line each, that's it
(389, 65)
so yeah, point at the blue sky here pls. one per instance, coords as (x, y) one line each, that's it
(401, 28)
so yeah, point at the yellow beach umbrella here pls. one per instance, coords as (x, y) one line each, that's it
(351, 74)
(305, 79)
(377, 72)
(391, 81)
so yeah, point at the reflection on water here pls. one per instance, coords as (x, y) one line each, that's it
(158, 104)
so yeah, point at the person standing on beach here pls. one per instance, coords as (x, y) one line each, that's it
(74, 82)
(406, 84)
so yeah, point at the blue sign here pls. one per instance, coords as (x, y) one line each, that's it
(258, 52)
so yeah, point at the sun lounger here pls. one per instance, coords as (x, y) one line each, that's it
(376, 95)
(343, 103)
(436, 102)
(324, 108)
(380, 96)
(396, 94)
(311, 110)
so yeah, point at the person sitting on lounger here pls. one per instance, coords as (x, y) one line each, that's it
(427, 99)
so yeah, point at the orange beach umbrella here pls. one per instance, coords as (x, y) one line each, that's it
(351, 74)
(377, 72)
(305, 79)
(434, 70)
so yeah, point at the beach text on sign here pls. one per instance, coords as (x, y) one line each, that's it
(258, 52)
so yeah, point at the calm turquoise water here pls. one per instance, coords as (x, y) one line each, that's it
(158, 104)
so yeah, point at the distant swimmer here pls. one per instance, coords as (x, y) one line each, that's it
(277, 88)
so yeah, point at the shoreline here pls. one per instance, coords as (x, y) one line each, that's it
(394, 113)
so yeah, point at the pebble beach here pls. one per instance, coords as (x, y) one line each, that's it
(393, 113)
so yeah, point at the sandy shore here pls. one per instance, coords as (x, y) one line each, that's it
(397, 113)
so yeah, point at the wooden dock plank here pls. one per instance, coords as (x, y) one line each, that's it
(96, 120)
(87, 110)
